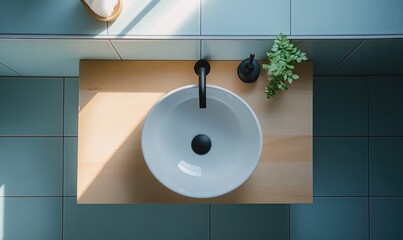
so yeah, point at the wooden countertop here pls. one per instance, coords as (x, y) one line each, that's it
(115, 97)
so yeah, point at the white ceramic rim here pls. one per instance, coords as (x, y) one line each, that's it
(232, 94)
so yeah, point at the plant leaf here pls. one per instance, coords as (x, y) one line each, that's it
(282, 56)
(290, 80)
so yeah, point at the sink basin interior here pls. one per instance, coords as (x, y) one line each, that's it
(228, 122)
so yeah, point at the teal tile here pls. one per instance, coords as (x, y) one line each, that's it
(52, 57)
(235, 49)
(340, 173)
(5, 71)
(70, 107)
(330, 219)
(30, 218)
(156, 17)
(158, 49)
(386, 111)
(70, 166)
(255, 221)
(340, 106)
(31, 166)
(386, 156)
(386, 218)
(31, 106)
(48, 17)
(134, 221)
(326, 54)
(229, 17)
(374, 57)
(344, 17)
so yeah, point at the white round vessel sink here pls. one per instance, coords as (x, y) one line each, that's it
(201, 153)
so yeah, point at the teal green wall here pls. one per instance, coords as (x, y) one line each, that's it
(208, 18)
(358, 185)
(358, 116)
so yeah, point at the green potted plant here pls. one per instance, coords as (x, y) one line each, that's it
(282, 57)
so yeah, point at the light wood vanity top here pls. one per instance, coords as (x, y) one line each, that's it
(115, 97)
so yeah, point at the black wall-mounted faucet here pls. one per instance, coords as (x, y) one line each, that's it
(202, 68)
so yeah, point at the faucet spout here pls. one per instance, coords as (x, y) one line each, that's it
(202, 87)
(202, 68)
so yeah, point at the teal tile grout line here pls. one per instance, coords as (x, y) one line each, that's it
(290, 17)
(114, 48)
(369, 157)
(201, 55)
(197, 37)
(41, 77)
(289, 221)
(369, 113)
(35, 136)
(337, 65)
(19, 75)
(356, 136)
(63, 122)
(200, 18)
(33, 196)
(352, 76)
(210, 234)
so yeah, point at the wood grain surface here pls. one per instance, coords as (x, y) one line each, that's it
(115, 97)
